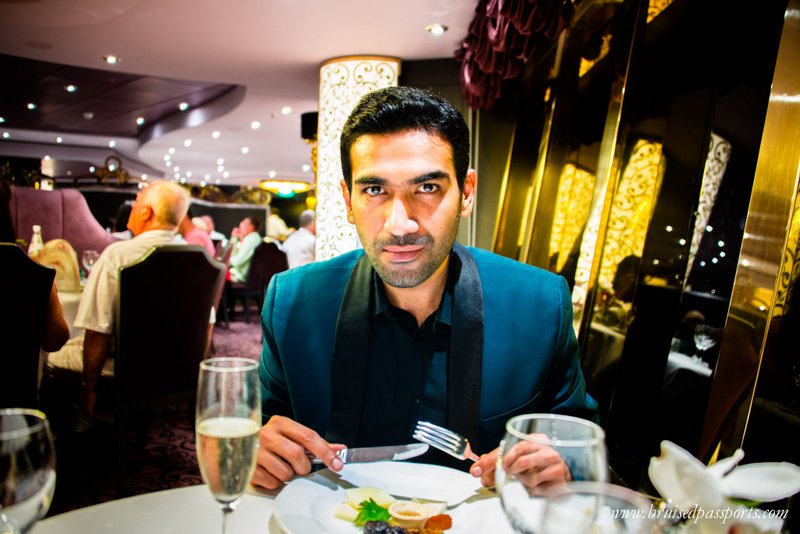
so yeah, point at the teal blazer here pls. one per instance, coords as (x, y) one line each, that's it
(529, 360)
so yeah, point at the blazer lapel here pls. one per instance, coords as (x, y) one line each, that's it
(350, 355)
(466, 349)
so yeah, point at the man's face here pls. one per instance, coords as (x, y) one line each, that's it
(406, 204)
(141, 212)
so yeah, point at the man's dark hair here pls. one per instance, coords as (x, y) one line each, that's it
(256, 222)
(396, 109)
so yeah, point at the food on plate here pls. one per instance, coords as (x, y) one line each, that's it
(380, 513)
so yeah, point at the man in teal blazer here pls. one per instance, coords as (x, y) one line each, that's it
(414, 326)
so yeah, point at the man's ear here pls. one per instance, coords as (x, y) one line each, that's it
(346, 195)
(468, 193)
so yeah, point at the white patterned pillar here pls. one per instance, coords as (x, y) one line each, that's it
(343, 81)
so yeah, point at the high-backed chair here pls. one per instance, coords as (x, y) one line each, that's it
(24, 292)
(267, 261)
(161, 330)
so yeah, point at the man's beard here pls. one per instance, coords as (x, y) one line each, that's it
(413, 273)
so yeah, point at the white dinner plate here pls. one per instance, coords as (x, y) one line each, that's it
(307, 505)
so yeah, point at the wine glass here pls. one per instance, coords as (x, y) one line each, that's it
(27, 468)
(228, 419)
(705, 337)
(595, 507)
(88, 259)
(527, 447)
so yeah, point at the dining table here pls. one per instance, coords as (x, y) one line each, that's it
(188, 509)
(69, 306)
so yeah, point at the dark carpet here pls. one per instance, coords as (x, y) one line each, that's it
(85, 461)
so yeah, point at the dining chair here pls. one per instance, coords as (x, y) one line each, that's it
(162, 322)
(267, 261)
(24, 293)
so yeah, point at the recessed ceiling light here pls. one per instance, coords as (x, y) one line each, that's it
(436, 29)
(219, 181)
(255, 125)
(183, 180)
(187, 143)
(176, 169)
(226, 174)
(183, 106)
(166, 157)
(171, 150)
(139, 120)
(286, 110)
(46, 157)
(273, 174)
(220, 168)
(245, 149)
(91, 168)
(144, 177)
(306, 167)
(59, 139)
(202, 183)
(215, 134)
(111, 59)
(2, 120)
(88, 115)
(112, 144)
(31, 106)
(220, 161)
(71, 88)
(188, 174)
(207, 177)
(6, 135)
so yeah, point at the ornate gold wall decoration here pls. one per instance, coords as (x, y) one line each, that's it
(573, 202)
(342, 83)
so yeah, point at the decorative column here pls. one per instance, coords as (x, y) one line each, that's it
(343, 81)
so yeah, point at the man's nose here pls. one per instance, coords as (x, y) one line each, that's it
(399, 220)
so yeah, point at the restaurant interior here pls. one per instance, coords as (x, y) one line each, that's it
(646, 150)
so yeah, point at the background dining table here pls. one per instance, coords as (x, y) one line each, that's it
(189, 509)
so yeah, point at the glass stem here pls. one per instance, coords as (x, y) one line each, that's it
(226, 512)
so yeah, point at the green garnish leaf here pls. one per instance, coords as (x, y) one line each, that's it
(369, 510)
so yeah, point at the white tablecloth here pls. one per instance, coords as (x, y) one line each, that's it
(183, 510)
(69, 305)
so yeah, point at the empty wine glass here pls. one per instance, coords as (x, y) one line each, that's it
(228, 419)
(705, 337)
(27, 468)
(595, 507)
(528, 445)
(88, 259)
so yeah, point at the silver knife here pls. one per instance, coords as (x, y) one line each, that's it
(377, 454)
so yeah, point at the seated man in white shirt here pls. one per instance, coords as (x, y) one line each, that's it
(299, 246)
(154, 220)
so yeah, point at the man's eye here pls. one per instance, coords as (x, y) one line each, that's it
(428, 188)
(373, 190)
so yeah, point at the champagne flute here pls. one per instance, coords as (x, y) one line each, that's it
(88, 259)
(595, 507)
(228, 419)
(27, 468)
(526, 454)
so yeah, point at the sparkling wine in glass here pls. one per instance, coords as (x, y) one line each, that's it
(88, 259)
(540, 452)
(27, 468)
(227, 422)
(595, 507)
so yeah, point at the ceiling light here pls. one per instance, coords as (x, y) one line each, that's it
(183, 106)
(306, 167)
(111, 59)
(171, 150)
(91, 168)
(202, 183)
(46, 158)
(255, 125)
(187, 143)
(245, 149)
(6, 135)
(31, 106)
(166, 157)
(286, 110)
(2, 120)
(176, 169)
(71, 88)
(183, 180)
(144, 177)
(220, 168)
(220, 161)
(88, 115)
(284, 188)
(139, 120)
(112, 144)
(215, 134)
(219, 181)
(188, 174)
(207, 177)
(59, 139)
(273, 174)
(436, 29)
(226, 174)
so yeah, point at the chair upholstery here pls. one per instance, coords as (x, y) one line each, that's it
(24, 294)
(62, 214)
(161, 327)
(267, 260)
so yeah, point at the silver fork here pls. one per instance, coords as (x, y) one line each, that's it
(445, 440)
